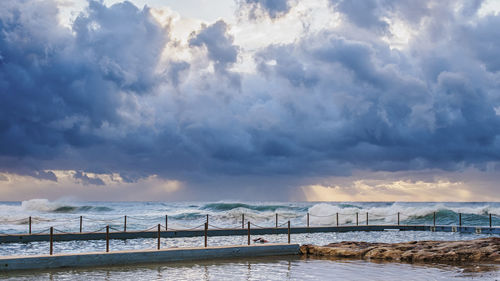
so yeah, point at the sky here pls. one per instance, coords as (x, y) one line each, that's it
(318, 100)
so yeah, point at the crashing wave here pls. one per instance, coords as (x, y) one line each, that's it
(325, 213)
(231, 206)
(46, 206)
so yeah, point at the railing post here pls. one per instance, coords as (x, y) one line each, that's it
(398, 218)
(434, 219)
(166, 222)
(51, 239)
(490, 220)
(276, 220)
(243, 221)
(29, 222)
(337, 219)
(288, 232)
(125, 224)
(206, 233)
(107, 238)
(307, 220)
(81, 223)
(248, 233)
(357, 221)
(459, 219)
(366, 218)
(207, 219)
(159, 235)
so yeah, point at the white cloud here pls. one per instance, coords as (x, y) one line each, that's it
(489, 7)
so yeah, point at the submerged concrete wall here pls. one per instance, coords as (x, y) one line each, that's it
(15, 238)
(143, 256)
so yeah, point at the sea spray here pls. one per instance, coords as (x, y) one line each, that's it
(40, 205)
(326, 214)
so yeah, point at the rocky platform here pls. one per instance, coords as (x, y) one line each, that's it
(485, 250)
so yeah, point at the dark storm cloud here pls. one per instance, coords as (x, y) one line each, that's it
(384, 112)
(220, 48)
(95, 99)
(114, 40)
(372, 14)
(272, 8)
(218, 43)
(85, 179)
(57, 87)
(175, 70)
(46, 175)
(482, 39)
(362, 13)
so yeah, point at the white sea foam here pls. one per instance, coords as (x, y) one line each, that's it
(40, 205)
(325, 213)
(11, 214)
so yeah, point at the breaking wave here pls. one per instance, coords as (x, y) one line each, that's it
(260, 208)
(188, 216)
(326, 213)
(44, 205)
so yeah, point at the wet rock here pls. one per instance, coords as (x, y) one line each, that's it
(479, 250)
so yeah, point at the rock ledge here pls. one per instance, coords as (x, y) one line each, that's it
(479, 250)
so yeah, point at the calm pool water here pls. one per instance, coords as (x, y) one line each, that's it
(269, 268)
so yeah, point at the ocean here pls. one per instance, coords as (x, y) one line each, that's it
(64, 216)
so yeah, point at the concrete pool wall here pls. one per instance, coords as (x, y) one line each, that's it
(12, 263)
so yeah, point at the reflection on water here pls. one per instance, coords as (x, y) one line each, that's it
(270, 268)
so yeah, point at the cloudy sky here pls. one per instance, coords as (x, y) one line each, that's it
(370, 100)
